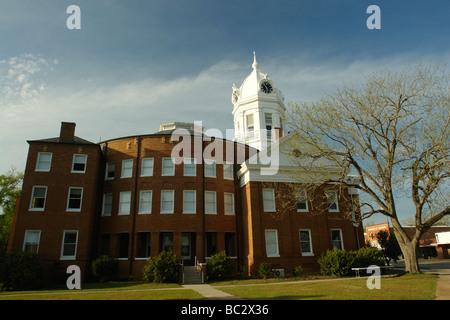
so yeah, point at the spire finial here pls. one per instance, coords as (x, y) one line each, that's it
(255, 64)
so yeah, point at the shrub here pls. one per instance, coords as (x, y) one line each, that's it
(104, 267)
(162, 268)
(21, 271)
(219, 265)
(298, 271)
(265, 270)
(339, 262)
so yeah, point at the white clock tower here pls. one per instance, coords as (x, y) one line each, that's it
(258, 106)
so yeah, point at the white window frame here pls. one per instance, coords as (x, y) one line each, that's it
(268, 195)
(146, 168)
(302, 194)
(211, 199)
(143, 200)
(310, 253)
(74, 161)
(186, 201)
(190, 164)
(108, 166)
(25, 242)
(124, 203)
(228, 171)
(40, 162)
(67, 257)
(168, 170)
(329, 194)
(341, 240)
(227, 204)
(68, 200)
(269, 244)
(127, 170)
(171, 201)
(31, 208)
(210, 168)
(104, 212)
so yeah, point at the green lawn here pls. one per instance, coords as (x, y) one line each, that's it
(406, 287)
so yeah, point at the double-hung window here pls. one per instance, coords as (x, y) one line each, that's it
(145, 201)
(272, 243)
(189, 167)
(69, 245)
(74, 199)
(189, 201)
(332, 201)
(167, 201)
(305, 242)
(107, 204)
(336, 239)
(210, 202)
(38, 197)
(228, 203)
(110, 168)
(31, 242)
(210, 168)
(127, 168)
(268, 200)
(124, 202)
(147, 167)
(79, 163)
(302, 203)
(168, 167)
(228, 171)
(44, 161)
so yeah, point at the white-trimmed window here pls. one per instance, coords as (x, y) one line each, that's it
(69, 245)
(302, 203)
(272, 243)
(127, 168)
(210, 168)
(168, 167)
(336, 239)
(167, 201)
(31, 241)
(189, 167)
(110, 169)
(250, 126)
(228, 171)
(38, 197)
(332, 201)
(147, 167)
(79, 163)
(210, 202)
(189, 201)
(107, 204)
(268, 200)
(305, 242)
(145, 201)
(74, 199)
(44, 161)
(228, 199)
(124, 202)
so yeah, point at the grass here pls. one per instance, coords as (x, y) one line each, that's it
(404, 287)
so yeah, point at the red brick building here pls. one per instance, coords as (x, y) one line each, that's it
(134, 197)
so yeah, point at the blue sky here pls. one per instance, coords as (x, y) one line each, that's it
(135, 64)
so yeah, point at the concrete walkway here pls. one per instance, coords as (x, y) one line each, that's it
(210, 292)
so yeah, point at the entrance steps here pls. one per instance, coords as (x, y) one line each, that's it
(192, 275)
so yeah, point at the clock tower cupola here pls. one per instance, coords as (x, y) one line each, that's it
(258, 106)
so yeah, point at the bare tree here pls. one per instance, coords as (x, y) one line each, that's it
(386, 138)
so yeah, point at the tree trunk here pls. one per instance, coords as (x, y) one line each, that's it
(409, 247)
(409, 251)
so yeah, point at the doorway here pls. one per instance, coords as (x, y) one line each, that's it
(188, 248)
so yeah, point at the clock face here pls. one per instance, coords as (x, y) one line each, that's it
(266, 87)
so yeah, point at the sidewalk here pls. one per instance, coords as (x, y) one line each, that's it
(210, 292)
